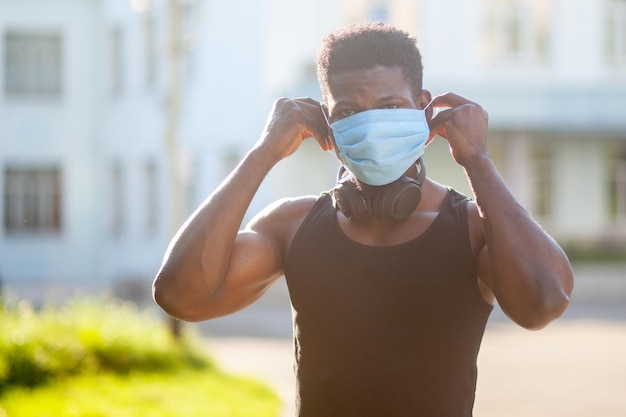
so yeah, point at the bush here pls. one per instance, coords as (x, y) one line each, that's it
(88, 336)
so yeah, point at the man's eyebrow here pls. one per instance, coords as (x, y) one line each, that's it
(348, 103)
(344, 103)
(392, 98)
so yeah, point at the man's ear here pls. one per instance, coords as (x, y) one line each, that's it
(422, 101)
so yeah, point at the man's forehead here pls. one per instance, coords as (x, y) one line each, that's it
(377, 81)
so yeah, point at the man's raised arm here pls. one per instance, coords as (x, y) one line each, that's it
(210, 267)
(524, 267)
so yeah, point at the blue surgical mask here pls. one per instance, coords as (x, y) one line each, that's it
(379, 146)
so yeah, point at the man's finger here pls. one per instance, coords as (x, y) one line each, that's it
(438, 123)
(317, 123)
(448, 100)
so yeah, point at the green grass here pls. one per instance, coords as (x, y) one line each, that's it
(186, 393)
(95, 358)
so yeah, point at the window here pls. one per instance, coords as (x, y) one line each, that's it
(618, 187)
(151, 197)
(34, 64)
(117, 199)
(150, 49)
(518, 32)
(188, 15)
(619, 192)
(116, 55)
(616, 32)
(544, 181)
(32, 200)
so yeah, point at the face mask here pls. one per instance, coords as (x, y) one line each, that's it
(379, 146)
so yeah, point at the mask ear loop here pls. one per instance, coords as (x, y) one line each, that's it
(435, 110)
(331, 134)
(421, 172)
(340, 174)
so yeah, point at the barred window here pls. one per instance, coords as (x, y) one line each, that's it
(118, 196)
(616, 33)
(544, 181)
(151, 187)
(617, 186)
(518, 32)
(116, 61)
(32, 200)
(34, 64)
(151, 50)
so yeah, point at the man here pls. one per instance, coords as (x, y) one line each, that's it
(391, 275)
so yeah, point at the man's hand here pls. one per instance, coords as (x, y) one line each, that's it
(290, 122)
(463, 123)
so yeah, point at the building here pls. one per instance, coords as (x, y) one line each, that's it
(94, 93)
(555, 90)
(118, 118)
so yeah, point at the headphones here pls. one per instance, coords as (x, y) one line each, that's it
(396, 200)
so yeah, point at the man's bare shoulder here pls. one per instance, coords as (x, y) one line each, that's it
(476, 227)
(284, 210)
(435, 196)
(282, 219)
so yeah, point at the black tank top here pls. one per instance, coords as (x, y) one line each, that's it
(385, 331)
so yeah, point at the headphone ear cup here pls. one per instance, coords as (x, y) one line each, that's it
(349, 200)
(399, 200)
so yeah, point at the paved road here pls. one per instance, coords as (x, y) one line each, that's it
(575, 367)
(572, 368)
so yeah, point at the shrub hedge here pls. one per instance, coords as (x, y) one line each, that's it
(88, 336)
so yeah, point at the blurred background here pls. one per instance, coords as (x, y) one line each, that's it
(117, 118)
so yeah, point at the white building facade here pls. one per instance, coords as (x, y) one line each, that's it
(48, 136)
(118, 118)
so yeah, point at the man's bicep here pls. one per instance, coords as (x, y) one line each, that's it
(259, 253)
(254, 265)
(257, 257)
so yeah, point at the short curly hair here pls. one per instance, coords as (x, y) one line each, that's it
(366, 45)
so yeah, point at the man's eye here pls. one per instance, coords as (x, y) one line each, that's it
(391, 106)
(346, 113)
